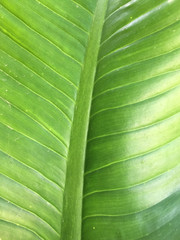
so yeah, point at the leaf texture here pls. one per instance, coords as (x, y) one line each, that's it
(89, 119)
(131, 188)
(42, 51)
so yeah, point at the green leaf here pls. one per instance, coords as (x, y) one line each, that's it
(89, 120)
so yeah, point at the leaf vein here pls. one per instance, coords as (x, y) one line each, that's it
(47, 100)
(22, 226)
(134, 83)
(61, 16)
(135, 129)
(45, 80)
(134, 63)
(132, 157)
(135, 185)
(19, 183)
(46, 129)
(138, 102)
(43, 36)
(17, 205)
(35, 170)
(133, 21)
(44, 63)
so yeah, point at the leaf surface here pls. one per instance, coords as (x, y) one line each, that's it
(89, 119)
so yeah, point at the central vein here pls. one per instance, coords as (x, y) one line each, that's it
(72, 211)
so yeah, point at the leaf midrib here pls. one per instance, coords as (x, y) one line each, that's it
(73, 195)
